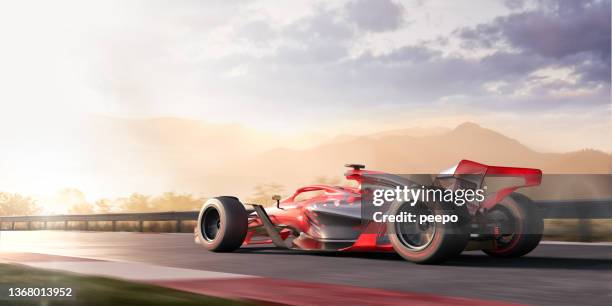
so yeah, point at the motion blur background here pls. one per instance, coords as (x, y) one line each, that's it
(112, 106)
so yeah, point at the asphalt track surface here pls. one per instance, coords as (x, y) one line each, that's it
(553, 274)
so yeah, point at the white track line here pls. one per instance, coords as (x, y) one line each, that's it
(578, 243)
(131, 271)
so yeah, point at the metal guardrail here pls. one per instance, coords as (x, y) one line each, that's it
(177, 216)
(578, 209)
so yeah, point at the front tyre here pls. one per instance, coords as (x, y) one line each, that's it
(520, 226)
(222, 224)
(430, 242)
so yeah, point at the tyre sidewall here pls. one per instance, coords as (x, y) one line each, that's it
(233, 224)
(448, 241)
(530, 226)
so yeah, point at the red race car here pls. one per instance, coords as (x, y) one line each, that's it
(494, 219)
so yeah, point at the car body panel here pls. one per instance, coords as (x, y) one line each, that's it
(332, 220)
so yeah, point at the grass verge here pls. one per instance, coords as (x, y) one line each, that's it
(92, 291)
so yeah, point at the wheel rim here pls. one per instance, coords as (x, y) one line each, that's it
(211, 222)
(413, 235)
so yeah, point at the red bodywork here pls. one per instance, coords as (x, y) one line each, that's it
(307, 219)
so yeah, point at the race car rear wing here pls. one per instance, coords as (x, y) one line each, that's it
(498, 181)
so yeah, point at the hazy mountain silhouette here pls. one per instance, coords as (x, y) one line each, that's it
(214, 159)
(428, 154)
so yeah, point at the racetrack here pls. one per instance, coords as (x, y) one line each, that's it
(551, 275)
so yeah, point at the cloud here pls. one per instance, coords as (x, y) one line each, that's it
(408, 54)
(313, 62)
(514, 4)
(375, 16)
(320, 37)
(575, 33)
(252, 61)
(257, 31)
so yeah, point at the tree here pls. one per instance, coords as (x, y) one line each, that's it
(75, 200)
(264, 192)
(81, 208)
(170, 201)
(324, 180)
(135, 203)
(103, 206)
(13, 204)
(335, 181)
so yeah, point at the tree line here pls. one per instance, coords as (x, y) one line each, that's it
(74, 201)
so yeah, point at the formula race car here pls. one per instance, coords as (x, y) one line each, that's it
(501, 223)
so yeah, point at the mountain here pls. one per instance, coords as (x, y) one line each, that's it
(114, 156)
(414, 131)
(428, 154)
(584, 161)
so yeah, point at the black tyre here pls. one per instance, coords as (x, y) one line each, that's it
(222, 224)
(520, 226)
(433, 242)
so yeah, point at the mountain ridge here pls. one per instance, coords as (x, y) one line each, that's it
(147, 155)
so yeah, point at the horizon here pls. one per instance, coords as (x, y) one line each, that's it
(54, 200)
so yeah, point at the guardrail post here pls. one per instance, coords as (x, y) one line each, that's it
(13, 226)
(65, 225)
(114, 225)
(86, 225)
(584, 230)
(45, 225)
(141, 226)
(178, 226)
(584, 225)
(29, 225)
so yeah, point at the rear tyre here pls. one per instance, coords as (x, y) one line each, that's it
(222, 224)
(433, 242)
(521, 226)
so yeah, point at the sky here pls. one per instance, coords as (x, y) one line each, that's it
(537, 71)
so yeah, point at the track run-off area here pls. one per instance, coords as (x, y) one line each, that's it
(555, 273)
